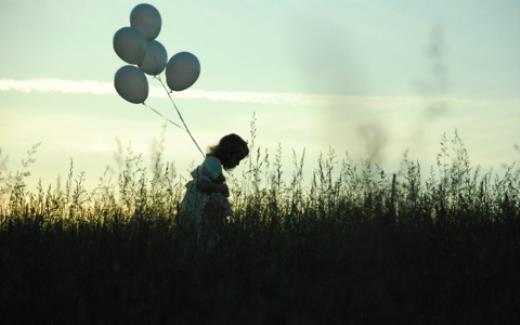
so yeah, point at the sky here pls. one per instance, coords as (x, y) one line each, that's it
(371, 78)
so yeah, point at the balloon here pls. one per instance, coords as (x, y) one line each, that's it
(146, 19)
(131, 84)
(182, 71)
(154, 60)
(129, 45)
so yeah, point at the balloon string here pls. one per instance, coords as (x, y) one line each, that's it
(180, 116)
(164, 117)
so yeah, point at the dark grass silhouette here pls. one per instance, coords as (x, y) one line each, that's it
(357, 246)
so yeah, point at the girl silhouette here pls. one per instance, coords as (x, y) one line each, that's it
(205, 204)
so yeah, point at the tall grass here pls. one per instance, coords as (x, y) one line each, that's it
(351, 244)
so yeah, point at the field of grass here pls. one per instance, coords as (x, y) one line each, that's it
(355, 246)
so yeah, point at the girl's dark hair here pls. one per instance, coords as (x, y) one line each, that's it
(228, 145)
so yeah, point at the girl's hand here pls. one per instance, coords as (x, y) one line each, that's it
(225, 190)
(213, 187)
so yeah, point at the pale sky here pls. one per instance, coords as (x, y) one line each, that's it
(373, 78)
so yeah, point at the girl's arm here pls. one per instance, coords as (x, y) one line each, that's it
(212, 187)
(220, 179)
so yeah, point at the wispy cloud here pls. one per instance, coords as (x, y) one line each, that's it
(57, 86)
(107, 88)
(62, 86)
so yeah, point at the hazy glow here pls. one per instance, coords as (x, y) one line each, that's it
(373, 78)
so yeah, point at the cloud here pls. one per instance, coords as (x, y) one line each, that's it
(90, 87)
(57, 86)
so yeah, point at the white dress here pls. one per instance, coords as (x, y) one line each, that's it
(194, 201)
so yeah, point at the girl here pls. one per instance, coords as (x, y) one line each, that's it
(206, 200)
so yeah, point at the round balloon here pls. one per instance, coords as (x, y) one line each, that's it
(131, 84)
(182, 71)
(146, 19)
(155, 58)
(129, 45)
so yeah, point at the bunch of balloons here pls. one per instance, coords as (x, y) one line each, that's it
(137, 46)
